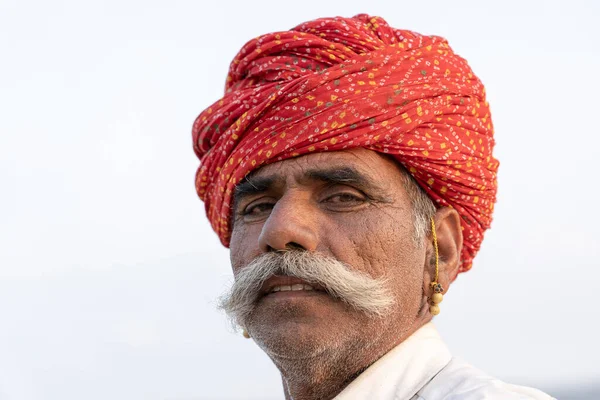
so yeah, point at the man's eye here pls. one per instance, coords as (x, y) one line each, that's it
(257, 209)
(344, 198)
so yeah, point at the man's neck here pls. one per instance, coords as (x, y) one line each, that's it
(319, 378)
(326, 375)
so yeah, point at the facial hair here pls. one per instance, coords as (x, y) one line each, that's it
(359, 290)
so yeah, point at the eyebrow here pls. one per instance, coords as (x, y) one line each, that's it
(252, 185)
(343, 175)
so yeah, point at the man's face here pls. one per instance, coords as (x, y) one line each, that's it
(350, 206)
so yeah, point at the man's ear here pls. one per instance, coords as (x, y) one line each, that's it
(450, 241)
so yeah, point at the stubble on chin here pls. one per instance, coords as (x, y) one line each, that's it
(333, 333)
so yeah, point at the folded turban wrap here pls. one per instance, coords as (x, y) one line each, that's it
(338, 83)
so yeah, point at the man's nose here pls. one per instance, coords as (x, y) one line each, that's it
(291, 224)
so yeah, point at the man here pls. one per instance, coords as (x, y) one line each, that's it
(349, 168)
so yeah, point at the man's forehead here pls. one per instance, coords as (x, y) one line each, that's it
(363, 161)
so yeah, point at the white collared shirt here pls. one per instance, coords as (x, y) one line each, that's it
(422, 368)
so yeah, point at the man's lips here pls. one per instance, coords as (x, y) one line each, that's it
(286, 286)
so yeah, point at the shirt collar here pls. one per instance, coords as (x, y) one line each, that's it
(404, 370)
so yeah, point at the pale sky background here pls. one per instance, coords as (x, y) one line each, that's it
(109, 270)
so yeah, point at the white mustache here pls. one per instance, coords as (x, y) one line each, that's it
(355, 288)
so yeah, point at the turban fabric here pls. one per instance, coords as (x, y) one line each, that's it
(339, 83)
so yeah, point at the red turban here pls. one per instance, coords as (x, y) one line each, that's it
(338, 83)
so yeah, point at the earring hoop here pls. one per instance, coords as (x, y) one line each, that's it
(437, 297)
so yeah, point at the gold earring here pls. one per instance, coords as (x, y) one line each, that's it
(245, 333)
(437, 288)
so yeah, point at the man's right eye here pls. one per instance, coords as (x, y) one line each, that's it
(257, 209)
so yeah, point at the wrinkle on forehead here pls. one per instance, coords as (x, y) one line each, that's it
(365, 161)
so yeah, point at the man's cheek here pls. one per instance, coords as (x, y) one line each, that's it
(243, 243)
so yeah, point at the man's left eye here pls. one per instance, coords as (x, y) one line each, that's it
(344, 198)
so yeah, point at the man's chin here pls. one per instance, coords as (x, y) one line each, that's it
(299, 329)
(295, 340)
